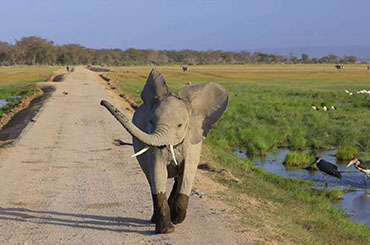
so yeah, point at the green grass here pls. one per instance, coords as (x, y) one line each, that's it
(347, 152)
(298, 159)
(270, 107)
(366, 156)
(20, 82)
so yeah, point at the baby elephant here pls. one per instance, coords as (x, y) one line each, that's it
(168, 131)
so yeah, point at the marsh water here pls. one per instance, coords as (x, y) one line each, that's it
(4, 102)
(356, 202)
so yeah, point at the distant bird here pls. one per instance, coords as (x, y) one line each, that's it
(333, 108)
(325, 108)
(364, 91)
(361, 166)
(315, 108)
(346, 91)
(65, 92)
(350, 94)
(326, 168)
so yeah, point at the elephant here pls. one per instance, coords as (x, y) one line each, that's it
(168, 131)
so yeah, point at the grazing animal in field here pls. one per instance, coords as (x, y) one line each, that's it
(368, 67)
(68, 68)
(362, 166)
(327, 168)
(168, 131)
(185, 68)
(339, 67)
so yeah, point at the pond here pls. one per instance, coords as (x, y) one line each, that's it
(4, 102)
(356, 203)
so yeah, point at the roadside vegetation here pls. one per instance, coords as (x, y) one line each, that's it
(271, 106)
(17, 83)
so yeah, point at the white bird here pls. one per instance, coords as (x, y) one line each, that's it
(315, 108)
(333, 107)
(350, 94)
(346, 91)
(325, 108)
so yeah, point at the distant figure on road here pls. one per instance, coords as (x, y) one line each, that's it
(339, 67)
(368, 67)
(184, 69)
(68, 68)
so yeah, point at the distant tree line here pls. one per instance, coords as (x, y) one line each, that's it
(39, 51)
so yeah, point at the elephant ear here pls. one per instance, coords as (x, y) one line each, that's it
(155, 89)
(208, 103)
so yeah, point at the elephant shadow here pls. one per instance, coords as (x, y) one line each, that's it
(119, 142)
(74, 220)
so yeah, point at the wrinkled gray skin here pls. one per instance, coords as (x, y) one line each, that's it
(182, 121)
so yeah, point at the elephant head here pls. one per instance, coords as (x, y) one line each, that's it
(171, 118)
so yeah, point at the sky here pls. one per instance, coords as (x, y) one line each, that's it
(232, 25)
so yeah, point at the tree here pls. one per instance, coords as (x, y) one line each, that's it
(305, 58)
(348, 59)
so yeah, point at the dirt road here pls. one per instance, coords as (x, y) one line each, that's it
(65, 181)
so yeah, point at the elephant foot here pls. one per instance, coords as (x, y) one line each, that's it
(162, 215)
(178, 209)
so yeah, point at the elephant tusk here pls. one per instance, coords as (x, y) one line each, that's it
(173, 154)
(141, 151)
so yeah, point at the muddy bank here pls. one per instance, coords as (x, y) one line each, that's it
(105, 78)
(124, 96)
(58, 78)
(14, 127)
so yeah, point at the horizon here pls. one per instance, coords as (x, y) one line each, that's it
(269, 26)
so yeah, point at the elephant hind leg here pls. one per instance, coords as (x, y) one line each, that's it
(163, 224)
(154, 218)
(178, 209)
(174, 192)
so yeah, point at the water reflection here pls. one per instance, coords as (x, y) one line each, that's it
(356, 203)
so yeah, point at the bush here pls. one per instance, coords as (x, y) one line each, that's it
(347, 152)
(298, 158)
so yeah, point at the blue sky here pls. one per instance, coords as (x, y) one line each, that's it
(190, 24)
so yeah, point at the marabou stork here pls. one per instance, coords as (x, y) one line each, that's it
(361, 166)
(326, 168)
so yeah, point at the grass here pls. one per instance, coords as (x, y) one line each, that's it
(270, 107)
(366, 156)
(347, 152)
(298, 159)
(19, 82)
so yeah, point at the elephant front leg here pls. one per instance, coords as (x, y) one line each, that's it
(181, 202)
(162, 215)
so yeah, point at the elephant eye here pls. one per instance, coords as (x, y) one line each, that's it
(179, 125)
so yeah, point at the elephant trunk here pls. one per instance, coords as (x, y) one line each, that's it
(154, 139)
